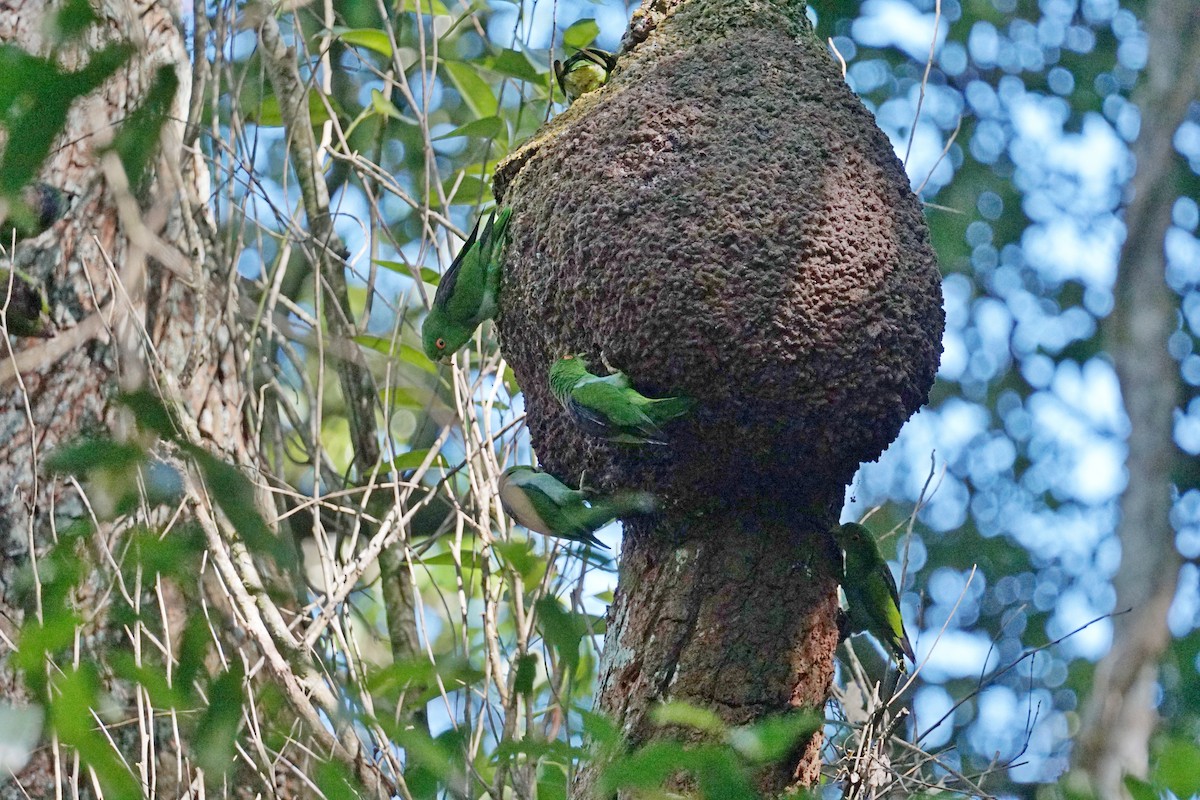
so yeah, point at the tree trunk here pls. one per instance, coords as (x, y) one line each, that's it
(723, 220)
(118, 280)
(739, 618)
(1119, 717)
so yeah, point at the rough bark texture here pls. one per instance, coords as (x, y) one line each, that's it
(1119, 718)
(723, 220)
(121, 317)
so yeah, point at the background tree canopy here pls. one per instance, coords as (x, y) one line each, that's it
(415, 641)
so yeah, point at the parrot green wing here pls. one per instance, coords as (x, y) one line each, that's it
(467, 293)
(542, 503)
(608, 406)
(664, 409)
(872, 598)
(606, 409)
(886, 606)
(448, 286)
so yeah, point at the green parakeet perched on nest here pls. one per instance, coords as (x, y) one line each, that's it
(584, 72)
(543, 503)
(608, 406)
(873, 602)
(467, 293)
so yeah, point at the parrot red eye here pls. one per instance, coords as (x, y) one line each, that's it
(440, 344)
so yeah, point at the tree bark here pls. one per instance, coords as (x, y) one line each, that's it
(723, 220)
(1119, 717)
(739, 618)
(128, 289)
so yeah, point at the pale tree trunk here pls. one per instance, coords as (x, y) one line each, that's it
(1119, 718)
(130, 289)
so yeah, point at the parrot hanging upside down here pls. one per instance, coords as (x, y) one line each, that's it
(872, 600)
(543, 503)
(584, 72)
(466, 295)
(609, 406)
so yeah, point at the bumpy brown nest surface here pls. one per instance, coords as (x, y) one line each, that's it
(725, 222)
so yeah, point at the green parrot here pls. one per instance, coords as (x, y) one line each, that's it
(467, 293)
(584, 72)
(27, 313)
(872, 601)
(609, 406)
(543, 503)
(41, 206)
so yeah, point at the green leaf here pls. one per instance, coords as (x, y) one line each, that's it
(516, 64)
(35, 97)
(178, 553)
(434, 7)
(562, 629)
(370, 38)
(193, 650)
(398, 267)
(454, 673)
(447, 560)
(39, 641)
(526, 673)
(720, 775)
(149, 412)
(1177, 767)
(84, 456)
(475, 91)
(234, 494)
(581, 33)
(486, 128)
(536, 748)
(414, 458)
(269, 115)
(466, 191)
(153, 680)
(393, 349)
(1139, 790)
(337, 782)
(384, 107)
(518, 556)
(76, 693)
(136, 143)
(73, 20)
(380, 344)
(645, 768)
(773, 738)
(214, 744)
(551, 781)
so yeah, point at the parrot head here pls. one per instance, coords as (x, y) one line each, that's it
(850, 536)
(584, 72)
(441, 337)
(568, 370)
